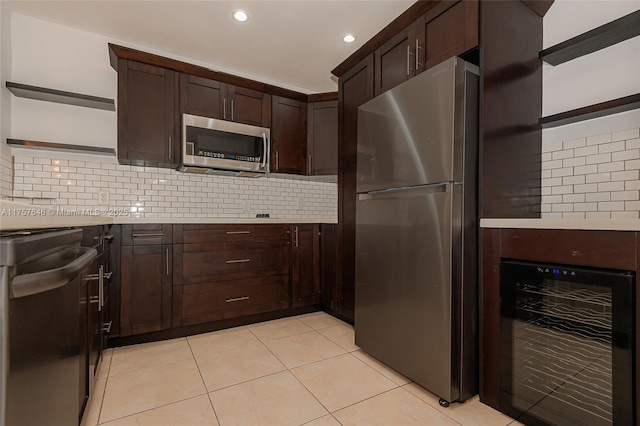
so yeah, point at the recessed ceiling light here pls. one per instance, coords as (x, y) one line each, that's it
(240, 15)
(349, 38)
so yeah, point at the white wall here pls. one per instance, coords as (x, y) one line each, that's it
(590, 169)
(608, 74)
(6, 164)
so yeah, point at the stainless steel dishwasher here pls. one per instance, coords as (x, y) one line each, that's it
(40, 277)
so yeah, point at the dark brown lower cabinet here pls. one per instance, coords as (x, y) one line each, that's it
(328, 258)
(145, 285)
(305, 265)
(244, 272)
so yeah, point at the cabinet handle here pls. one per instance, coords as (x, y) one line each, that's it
(238, 232)
(277, 162)
(224, 108)
(309, 164)
(148, 234)
(108, 237)
(239, 261)
(170, 148)
(237, 299)
(107, 327)
(101, 288)
(107, 275)
(418, 48)
(409, 60)
(167, 257)
(296, 235)
(232, 118)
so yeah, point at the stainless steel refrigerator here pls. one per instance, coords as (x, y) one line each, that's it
(416, 229)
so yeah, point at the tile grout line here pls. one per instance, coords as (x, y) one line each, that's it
(104, 392)
(206, 390)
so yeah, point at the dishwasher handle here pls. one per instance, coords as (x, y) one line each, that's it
(39, 282)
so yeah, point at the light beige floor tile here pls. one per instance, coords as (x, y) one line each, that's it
(396, 407)
(276, 329)
(278, 399)
(92, 412)
(468, 413)
(342, 335)
(105, 364)
(327, 420)
(142, 390)
(342, 381)
(516, 423)
(128, 359)
(203, 344)
(191, 412)
(381, 368)
(232, 357)
(319, 320)
(304, 348)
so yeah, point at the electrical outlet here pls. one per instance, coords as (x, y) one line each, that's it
(246, 206)
(299, 205)
(103, 197)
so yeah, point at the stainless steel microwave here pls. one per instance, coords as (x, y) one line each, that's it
(211, 145)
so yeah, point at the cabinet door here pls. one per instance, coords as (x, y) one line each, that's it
(305, 273)
(288, 136)
(328, 256)
(395, 61)
(146, 274)
(322, 138)
(147, 115)
(355, 88)
(249, 106)
(201, 96)
(449, 29)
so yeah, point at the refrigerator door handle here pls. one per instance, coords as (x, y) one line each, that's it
(406, 192)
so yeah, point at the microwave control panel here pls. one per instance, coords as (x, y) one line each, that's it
(202, 153)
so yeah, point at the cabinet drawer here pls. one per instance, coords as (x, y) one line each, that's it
(146, 234)
(218, 261)
(229, 299)
(192, 233)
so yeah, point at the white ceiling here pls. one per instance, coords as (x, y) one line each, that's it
(293, 44)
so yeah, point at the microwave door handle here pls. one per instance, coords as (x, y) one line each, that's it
(265, 155)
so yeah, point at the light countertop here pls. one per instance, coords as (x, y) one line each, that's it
(26, 216)
(581, 224)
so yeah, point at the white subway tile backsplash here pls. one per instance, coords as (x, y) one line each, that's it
(626, 135)
(611, 167)
(605, 176)
(599, 139)
(152, 192)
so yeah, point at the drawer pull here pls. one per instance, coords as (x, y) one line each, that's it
(237, 299)
(239, 261)
(237, 232)
(150, 234)
(107, 327)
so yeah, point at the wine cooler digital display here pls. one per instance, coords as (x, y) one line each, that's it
(567, 338)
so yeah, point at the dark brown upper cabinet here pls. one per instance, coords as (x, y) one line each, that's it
(448, 29)
(288, 136)
(147, 123)
(396, 61)
(211, 98)
(322, 138)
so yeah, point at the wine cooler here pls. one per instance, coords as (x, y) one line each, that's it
(567, 339)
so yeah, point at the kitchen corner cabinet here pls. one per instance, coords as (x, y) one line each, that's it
(214, 99)
(322, 138)
(148, 127)
(305, 265)
(146, 276)
(288, 136)
(448, 29)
